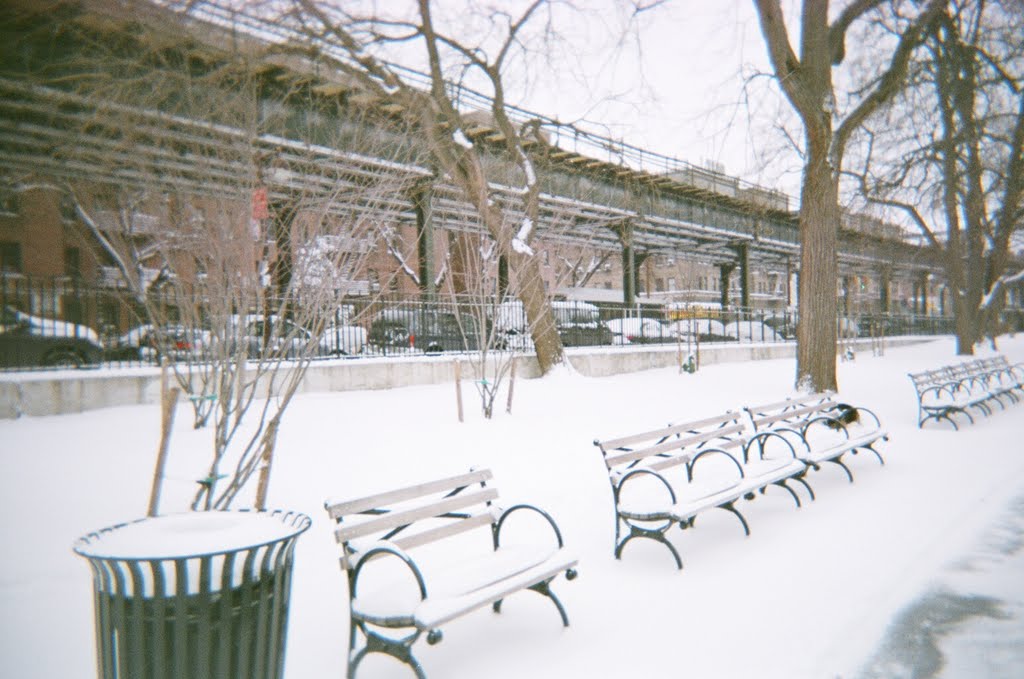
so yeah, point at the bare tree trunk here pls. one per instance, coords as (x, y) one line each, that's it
(819, 227)
(805, 78)
(546, 341)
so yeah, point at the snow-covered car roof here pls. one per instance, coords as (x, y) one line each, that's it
(49, 327)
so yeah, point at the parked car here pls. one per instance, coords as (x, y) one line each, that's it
(423, 330)
(579, 324)
(27, 340)
(752, 331)
(343, 340)
(639, 331)
(283, 338)
(149, 342)
(342, 337)
(701, 329)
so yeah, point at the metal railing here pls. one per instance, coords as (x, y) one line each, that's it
(63, 322)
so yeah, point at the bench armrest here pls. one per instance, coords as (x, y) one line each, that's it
(514, 508)
(384, 549)
(878, 422)
(642, 471)
(762, 436)
(706, 452)
(830, 421)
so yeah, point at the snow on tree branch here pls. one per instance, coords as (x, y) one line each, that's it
(519, 243)
(389, 242)
(997, 287)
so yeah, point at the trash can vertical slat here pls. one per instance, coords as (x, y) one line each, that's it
(118, 603)
(179, 625)
(227, 642)
(136, 635)
(260, 586)
(104, 625)
(159, 655)
(202, 666)
(280, 613)
(246, 601)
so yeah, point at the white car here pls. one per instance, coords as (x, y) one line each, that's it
(752, 331)
(177, 342)
(639, 331)
(344, 340)
(706, 329)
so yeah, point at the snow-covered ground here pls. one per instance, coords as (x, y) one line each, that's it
(916, 562)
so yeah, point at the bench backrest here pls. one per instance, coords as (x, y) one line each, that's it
(415, 515)
(926, 379)
(792, 410)
(676, 444)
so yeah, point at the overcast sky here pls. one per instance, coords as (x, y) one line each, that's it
(681, 91)
(672, 82)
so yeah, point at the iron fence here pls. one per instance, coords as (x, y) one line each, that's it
(49, 323)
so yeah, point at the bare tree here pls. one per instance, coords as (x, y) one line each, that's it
(949, 154)
(176, 158)
(807, 80)
(509, 218)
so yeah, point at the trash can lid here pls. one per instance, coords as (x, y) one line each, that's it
(189, 534)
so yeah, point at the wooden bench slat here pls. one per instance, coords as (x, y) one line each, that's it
(391, 497)
(679, 444)
(410, 542)
(439, 532)
(791, 401)
(675, 460)
(796, 412)
(670, 430)
(407, 516)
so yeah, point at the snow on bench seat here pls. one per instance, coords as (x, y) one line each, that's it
(459, 567)
(817, 427)
(665, 477)
(953, 390)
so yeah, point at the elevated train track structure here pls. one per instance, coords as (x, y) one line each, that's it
(322, 138)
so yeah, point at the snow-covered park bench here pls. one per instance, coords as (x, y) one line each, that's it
(957, 388)
(466, 560)
(666, 477)
(993, 377)
(820, 428)
(1007, 377)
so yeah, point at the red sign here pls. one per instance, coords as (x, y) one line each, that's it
(259, 204)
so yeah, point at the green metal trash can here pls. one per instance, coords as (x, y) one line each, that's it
(202, 595)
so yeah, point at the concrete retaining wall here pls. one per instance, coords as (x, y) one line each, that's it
(55, 393)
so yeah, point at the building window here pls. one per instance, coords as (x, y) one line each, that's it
(9, 204)
(10, 257)
(73, 263)
(671, 284)
(659, 285)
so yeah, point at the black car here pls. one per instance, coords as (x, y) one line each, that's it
(580, 325)
(27, 341)
(431, 332)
